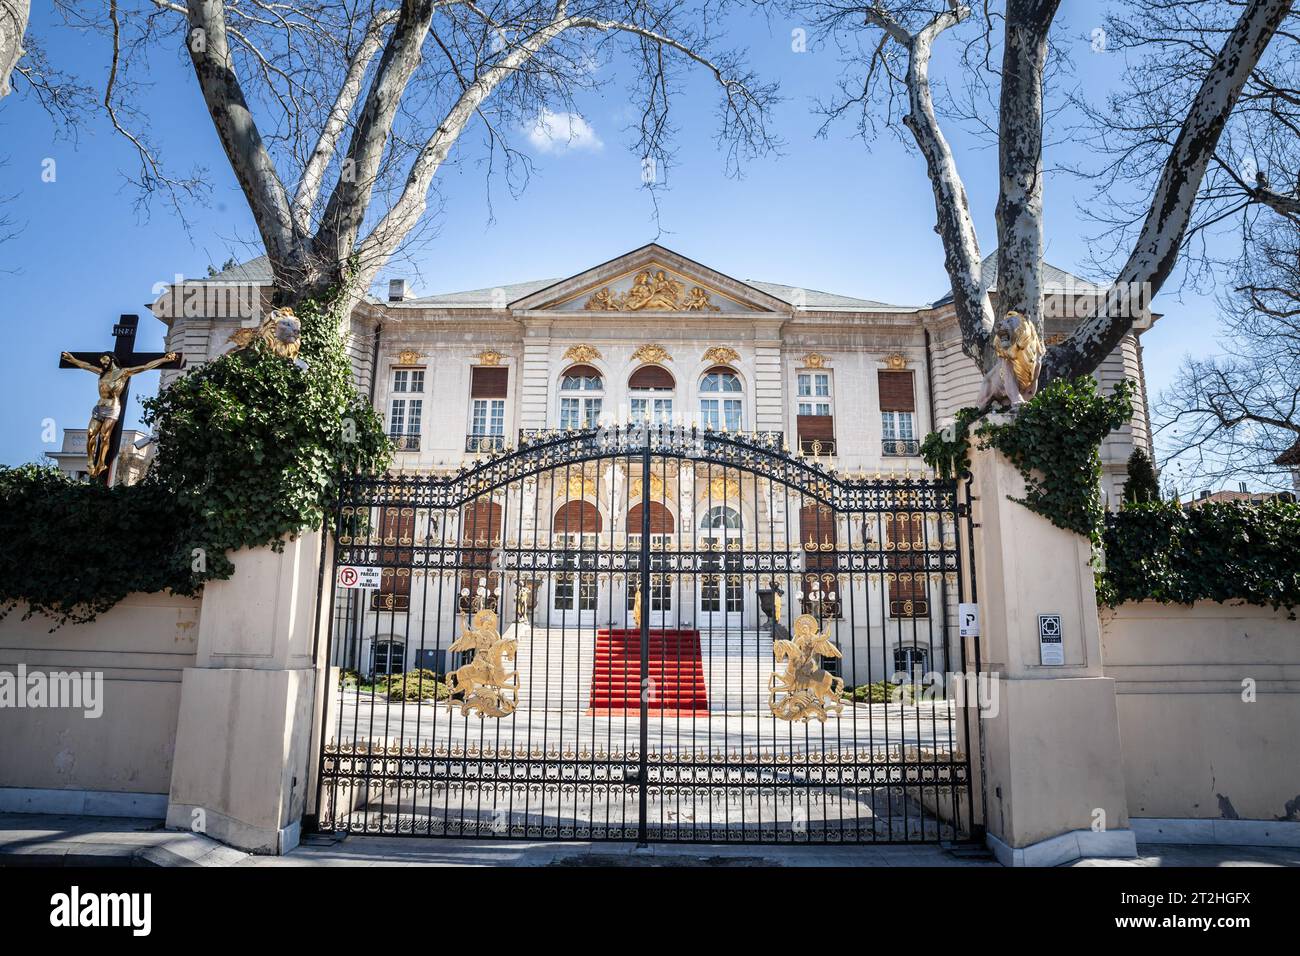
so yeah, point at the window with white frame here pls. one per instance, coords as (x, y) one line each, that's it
(897, 426)
(405, 411)
(650, 391)
(814, 392)
(489, 386)
(581, 391)
(721, 403)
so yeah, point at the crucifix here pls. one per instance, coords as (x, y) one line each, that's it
(114, 369)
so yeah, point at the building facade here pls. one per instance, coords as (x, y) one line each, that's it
(654, 337)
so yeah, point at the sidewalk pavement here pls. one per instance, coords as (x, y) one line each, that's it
(50, 840)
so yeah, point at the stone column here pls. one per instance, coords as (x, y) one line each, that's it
(244, 741)
(1053, 774)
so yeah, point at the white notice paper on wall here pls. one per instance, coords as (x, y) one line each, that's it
(968, 616)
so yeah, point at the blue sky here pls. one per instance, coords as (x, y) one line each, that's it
(827, 214)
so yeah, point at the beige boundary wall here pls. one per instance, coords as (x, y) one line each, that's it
(1201, 762)
(120, 763)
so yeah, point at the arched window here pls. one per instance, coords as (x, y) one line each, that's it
(720, 518)
(721, 400)
(576, 517)
(581, 391)
(651, 388)
(661, 519)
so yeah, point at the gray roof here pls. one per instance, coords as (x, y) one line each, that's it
(254, 270)
(1055, 279)
(259, 270)
(814, 299)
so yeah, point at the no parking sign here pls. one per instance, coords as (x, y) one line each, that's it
(355, 576)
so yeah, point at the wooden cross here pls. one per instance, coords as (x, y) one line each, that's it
(115, 369)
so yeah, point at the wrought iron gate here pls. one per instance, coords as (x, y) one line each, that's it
(648, 633)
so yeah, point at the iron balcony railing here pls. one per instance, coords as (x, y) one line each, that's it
(900, 447)
(405, 442)
(484, 443)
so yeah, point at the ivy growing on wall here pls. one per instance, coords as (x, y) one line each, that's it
(1054, 441)
(1218, 551)
(250, 447)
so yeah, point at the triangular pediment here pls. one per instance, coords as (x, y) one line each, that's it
(651, 279)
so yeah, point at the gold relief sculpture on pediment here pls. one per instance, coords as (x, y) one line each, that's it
(652, 291)
(489, 357)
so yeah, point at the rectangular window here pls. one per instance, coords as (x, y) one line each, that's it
(397, 417)
(896, 392)
(896, 426)
(569, 411)
(489, 417)
(657, 410)
(408, 380)
(715, 412)
(816, 384)
(814, 408)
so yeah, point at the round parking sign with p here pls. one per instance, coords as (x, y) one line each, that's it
(348, 577)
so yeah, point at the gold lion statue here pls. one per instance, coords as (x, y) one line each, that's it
(483, 684)
(281, 332)
(1020, 351)
(810, 691)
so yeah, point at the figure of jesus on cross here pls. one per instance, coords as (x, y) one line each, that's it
(114, 371)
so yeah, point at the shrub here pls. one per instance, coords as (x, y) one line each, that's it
(1141, 485)
(418, 684)
(1219, 551)
(250, 448)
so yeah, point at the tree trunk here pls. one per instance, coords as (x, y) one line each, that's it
(13, 24)
(1020, 158)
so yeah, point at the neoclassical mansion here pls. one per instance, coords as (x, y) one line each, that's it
(652, 335)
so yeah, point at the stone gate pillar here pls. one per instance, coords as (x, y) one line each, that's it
(244, 738)
(1053, 775)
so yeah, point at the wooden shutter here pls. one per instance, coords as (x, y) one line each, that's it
(651, 376)
(487, 382)
(896, 393)
(480, 526)
(661, 519)
(397, 532)
(906, 560)
(578, 371)
(816, 428)
(576, 517)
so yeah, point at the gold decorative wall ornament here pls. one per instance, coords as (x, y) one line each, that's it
(656, 488)
(810, 691)
(722, 354)
(409, 357)
(653, 354)
(724, 489)
(896, 361)
(581, 353)
(652, 292)
(815, 360)
(484, 685)
(576, 488)
(490, 357)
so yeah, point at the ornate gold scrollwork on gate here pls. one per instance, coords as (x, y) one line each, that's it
(810, 691)
(484, 684)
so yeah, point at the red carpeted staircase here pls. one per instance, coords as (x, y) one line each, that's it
(674, 665)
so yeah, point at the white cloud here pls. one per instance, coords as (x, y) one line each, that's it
(562, 133)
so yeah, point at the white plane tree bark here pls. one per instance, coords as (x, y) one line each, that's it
(13, 25)
(337, 118)
(913, 26)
